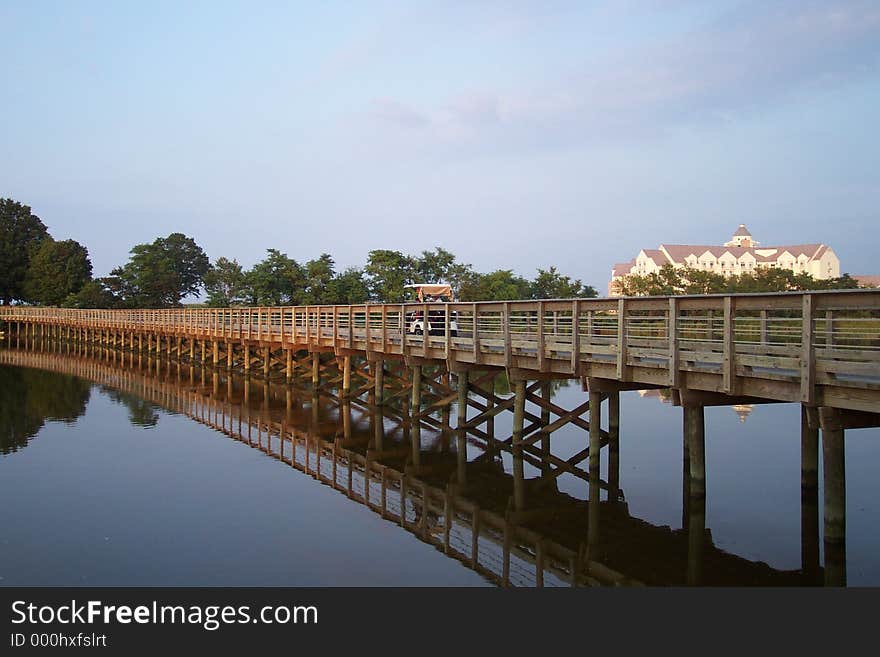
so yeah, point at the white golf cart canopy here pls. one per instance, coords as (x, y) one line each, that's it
(435, 290)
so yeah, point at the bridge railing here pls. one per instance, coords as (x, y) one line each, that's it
(828, 337)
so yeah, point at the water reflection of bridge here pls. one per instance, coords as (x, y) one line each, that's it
(357, 450)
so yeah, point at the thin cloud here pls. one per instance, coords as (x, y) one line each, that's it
(743, 61)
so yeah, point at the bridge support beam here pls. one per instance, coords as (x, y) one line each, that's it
(346, 374)
(695, 434)
(416, 425)
(379, 380)
(316, 369)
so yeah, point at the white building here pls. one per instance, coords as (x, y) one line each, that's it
(740, 255)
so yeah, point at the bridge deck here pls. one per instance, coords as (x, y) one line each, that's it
(818, 348)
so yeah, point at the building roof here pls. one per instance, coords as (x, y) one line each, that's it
(868, 280)
(622, 268)
(657, 256)
(742, 231)
(679, 252)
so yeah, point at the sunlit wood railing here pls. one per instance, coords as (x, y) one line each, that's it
(828, 338)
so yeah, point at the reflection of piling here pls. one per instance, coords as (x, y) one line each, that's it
(315, 416)
(809, 499)
(378, 428)
(491, 450)
(613, 446)
(833, 460)
(461, 433)
(545, 437)
(696, 539)
(595, 446)
(346, 419)
(519, 407)
(685, 481)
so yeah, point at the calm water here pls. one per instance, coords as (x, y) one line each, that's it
(104, 487)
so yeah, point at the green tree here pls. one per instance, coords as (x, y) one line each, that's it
(21, 232)
(349, 287)
(162, 273)
(29, 398)
(276, 280)
(440, 265)
(57, 271)
(498, 285)
(319, 273)
(550, 284)
(226, 284)
(97, 293)
(387, 272)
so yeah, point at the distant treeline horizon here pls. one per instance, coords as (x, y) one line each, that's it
(36, 269)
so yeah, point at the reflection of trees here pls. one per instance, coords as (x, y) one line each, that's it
(503, 388)
(30, 398)
(141, 413)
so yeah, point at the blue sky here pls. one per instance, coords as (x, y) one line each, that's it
(515, 134)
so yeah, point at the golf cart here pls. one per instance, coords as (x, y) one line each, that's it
(431, 293)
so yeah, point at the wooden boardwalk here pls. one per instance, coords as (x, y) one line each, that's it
(818, 349)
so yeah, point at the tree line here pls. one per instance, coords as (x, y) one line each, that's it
(671, 280)
(37, 269)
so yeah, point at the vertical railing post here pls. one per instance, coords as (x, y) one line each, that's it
(621, 340)
(672, 334)
(728, 358)
(808, 363)
(541, 335)
(575, 337)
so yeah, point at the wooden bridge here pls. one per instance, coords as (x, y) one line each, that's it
(819, 349)
(325, 437)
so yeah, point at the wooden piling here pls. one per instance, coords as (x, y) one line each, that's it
(416, 406)
(346, 374)
(695, 433)
(379, 383)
